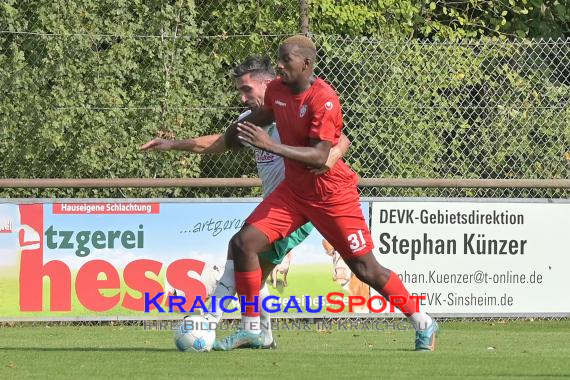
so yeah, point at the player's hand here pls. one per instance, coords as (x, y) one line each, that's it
(157, 144)
(254, 135)
(319, 171)
(334, 155)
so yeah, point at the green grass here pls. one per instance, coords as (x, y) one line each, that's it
(520, 349)
(9, 291)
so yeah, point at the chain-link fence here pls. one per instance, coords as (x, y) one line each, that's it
(84, 85)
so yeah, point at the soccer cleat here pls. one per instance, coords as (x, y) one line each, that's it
(425, 339)
(239, 339)
(270, 346)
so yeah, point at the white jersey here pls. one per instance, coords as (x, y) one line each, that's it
(270, 167)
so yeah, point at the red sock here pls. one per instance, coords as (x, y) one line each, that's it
(247, 284)
(395, 288)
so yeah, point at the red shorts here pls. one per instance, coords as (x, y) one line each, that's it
(338, 218)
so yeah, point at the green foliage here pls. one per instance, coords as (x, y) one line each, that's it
(387, 18)
(441, 20)
(90, 81)
(102, 77)
(479, 109)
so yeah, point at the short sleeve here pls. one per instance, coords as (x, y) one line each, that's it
(269, 94)
(326, 121)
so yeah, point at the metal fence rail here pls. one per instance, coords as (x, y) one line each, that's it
(252, 182)
(84, 84)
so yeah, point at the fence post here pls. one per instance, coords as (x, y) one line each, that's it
(304, 16)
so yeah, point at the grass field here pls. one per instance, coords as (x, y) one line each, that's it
(475, 350)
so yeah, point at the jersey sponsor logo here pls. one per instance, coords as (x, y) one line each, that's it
(303, 110)
(263, 157)
(280, 103)
(329, 105)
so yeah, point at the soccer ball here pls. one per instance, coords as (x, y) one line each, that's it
(194, 335)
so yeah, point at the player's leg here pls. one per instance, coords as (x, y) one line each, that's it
(264, 316)
(227, 287)
(245, 245)
(341, 222)
(270, 221)
(388, 284)
(268, 260)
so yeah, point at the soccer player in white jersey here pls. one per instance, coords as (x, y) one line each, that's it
(251, 79)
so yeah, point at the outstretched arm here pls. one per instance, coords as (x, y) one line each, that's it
(202, 144)
(218, 143)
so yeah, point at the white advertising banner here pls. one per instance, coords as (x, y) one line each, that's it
(480, 256)
(95, 259)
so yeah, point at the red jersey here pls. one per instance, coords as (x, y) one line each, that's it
(313, 114)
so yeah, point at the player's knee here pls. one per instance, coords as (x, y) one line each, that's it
(230, 255)
(237, 245)
(242, 245)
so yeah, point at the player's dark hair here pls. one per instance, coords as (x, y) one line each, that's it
(255, 65)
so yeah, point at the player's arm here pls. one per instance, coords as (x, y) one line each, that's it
(336, 153)
(261, 116)
(315, 155)
(201, 145)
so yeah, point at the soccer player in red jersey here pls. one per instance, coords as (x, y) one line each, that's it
(309, 119)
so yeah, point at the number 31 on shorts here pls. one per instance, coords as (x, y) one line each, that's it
(357, 241)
